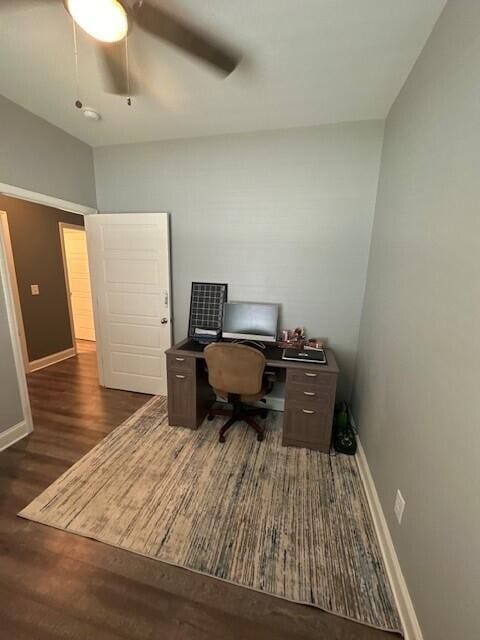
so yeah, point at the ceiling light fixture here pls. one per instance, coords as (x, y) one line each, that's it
(104, 20)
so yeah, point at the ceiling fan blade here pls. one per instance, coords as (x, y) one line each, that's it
(114, 62)
(174, 30)
(25, 4)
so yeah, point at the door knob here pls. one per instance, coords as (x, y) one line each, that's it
(164, 320)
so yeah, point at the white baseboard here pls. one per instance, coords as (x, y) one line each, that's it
(13, 434)
(41, 363)
(408, 616)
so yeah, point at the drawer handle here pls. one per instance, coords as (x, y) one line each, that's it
(309, 411)
(179, 375)
(180, 359)
(309, 393)
(311, 375)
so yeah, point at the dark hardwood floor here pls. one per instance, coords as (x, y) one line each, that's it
(55, 585)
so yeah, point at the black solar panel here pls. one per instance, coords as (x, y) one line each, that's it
(206, 306)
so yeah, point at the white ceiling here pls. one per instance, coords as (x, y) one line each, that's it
(306, 62)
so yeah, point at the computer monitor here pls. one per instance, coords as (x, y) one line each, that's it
(250, 321)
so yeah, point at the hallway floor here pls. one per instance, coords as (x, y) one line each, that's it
(86, 346)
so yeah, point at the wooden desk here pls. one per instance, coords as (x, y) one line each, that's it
(309, 393)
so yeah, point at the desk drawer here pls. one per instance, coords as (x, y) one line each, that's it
(181, 398)
(177, 361)
(306, 426)
(308, 394)
(312, 377)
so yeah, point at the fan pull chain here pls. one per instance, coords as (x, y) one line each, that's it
(78, 102)
(127, 69)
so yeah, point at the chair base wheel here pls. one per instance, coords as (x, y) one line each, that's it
(210, 417)
(221, 439)
(260, 437)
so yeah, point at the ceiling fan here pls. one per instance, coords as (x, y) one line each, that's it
(110, 22)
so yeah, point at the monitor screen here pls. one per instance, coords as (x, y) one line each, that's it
(250, 320)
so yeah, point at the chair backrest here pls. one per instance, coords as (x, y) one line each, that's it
(235, 368)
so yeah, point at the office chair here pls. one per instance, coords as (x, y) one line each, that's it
(235, 372)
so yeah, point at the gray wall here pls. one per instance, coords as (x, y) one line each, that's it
(37, 254)
(281, 216)
(37, 156)
(416, 387)
(11, 411)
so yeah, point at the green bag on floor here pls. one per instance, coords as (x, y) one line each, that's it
(344, 440)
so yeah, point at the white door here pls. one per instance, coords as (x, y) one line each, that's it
(78, 277)
(129, 257)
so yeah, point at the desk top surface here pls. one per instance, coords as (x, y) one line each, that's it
(272, 353)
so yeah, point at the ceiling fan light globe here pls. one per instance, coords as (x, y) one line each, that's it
(104, 20)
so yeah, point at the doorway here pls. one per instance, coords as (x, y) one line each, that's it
(100, 291)
(120, 321)
(39, 281)
(77, 281)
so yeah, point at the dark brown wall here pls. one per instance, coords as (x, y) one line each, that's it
(37, 254)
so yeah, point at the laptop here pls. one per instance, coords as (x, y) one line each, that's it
(316, 356)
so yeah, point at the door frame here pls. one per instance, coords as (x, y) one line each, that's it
(12, 296)
(76, 227)
(40, 198)
(12, 280)
(12, 191)
(15, 323)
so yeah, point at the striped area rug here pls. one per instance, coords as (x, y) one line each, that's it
(290, 522)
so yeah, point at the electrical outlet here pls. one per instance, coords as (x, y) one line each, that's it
(399, 506)
(35, 289)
